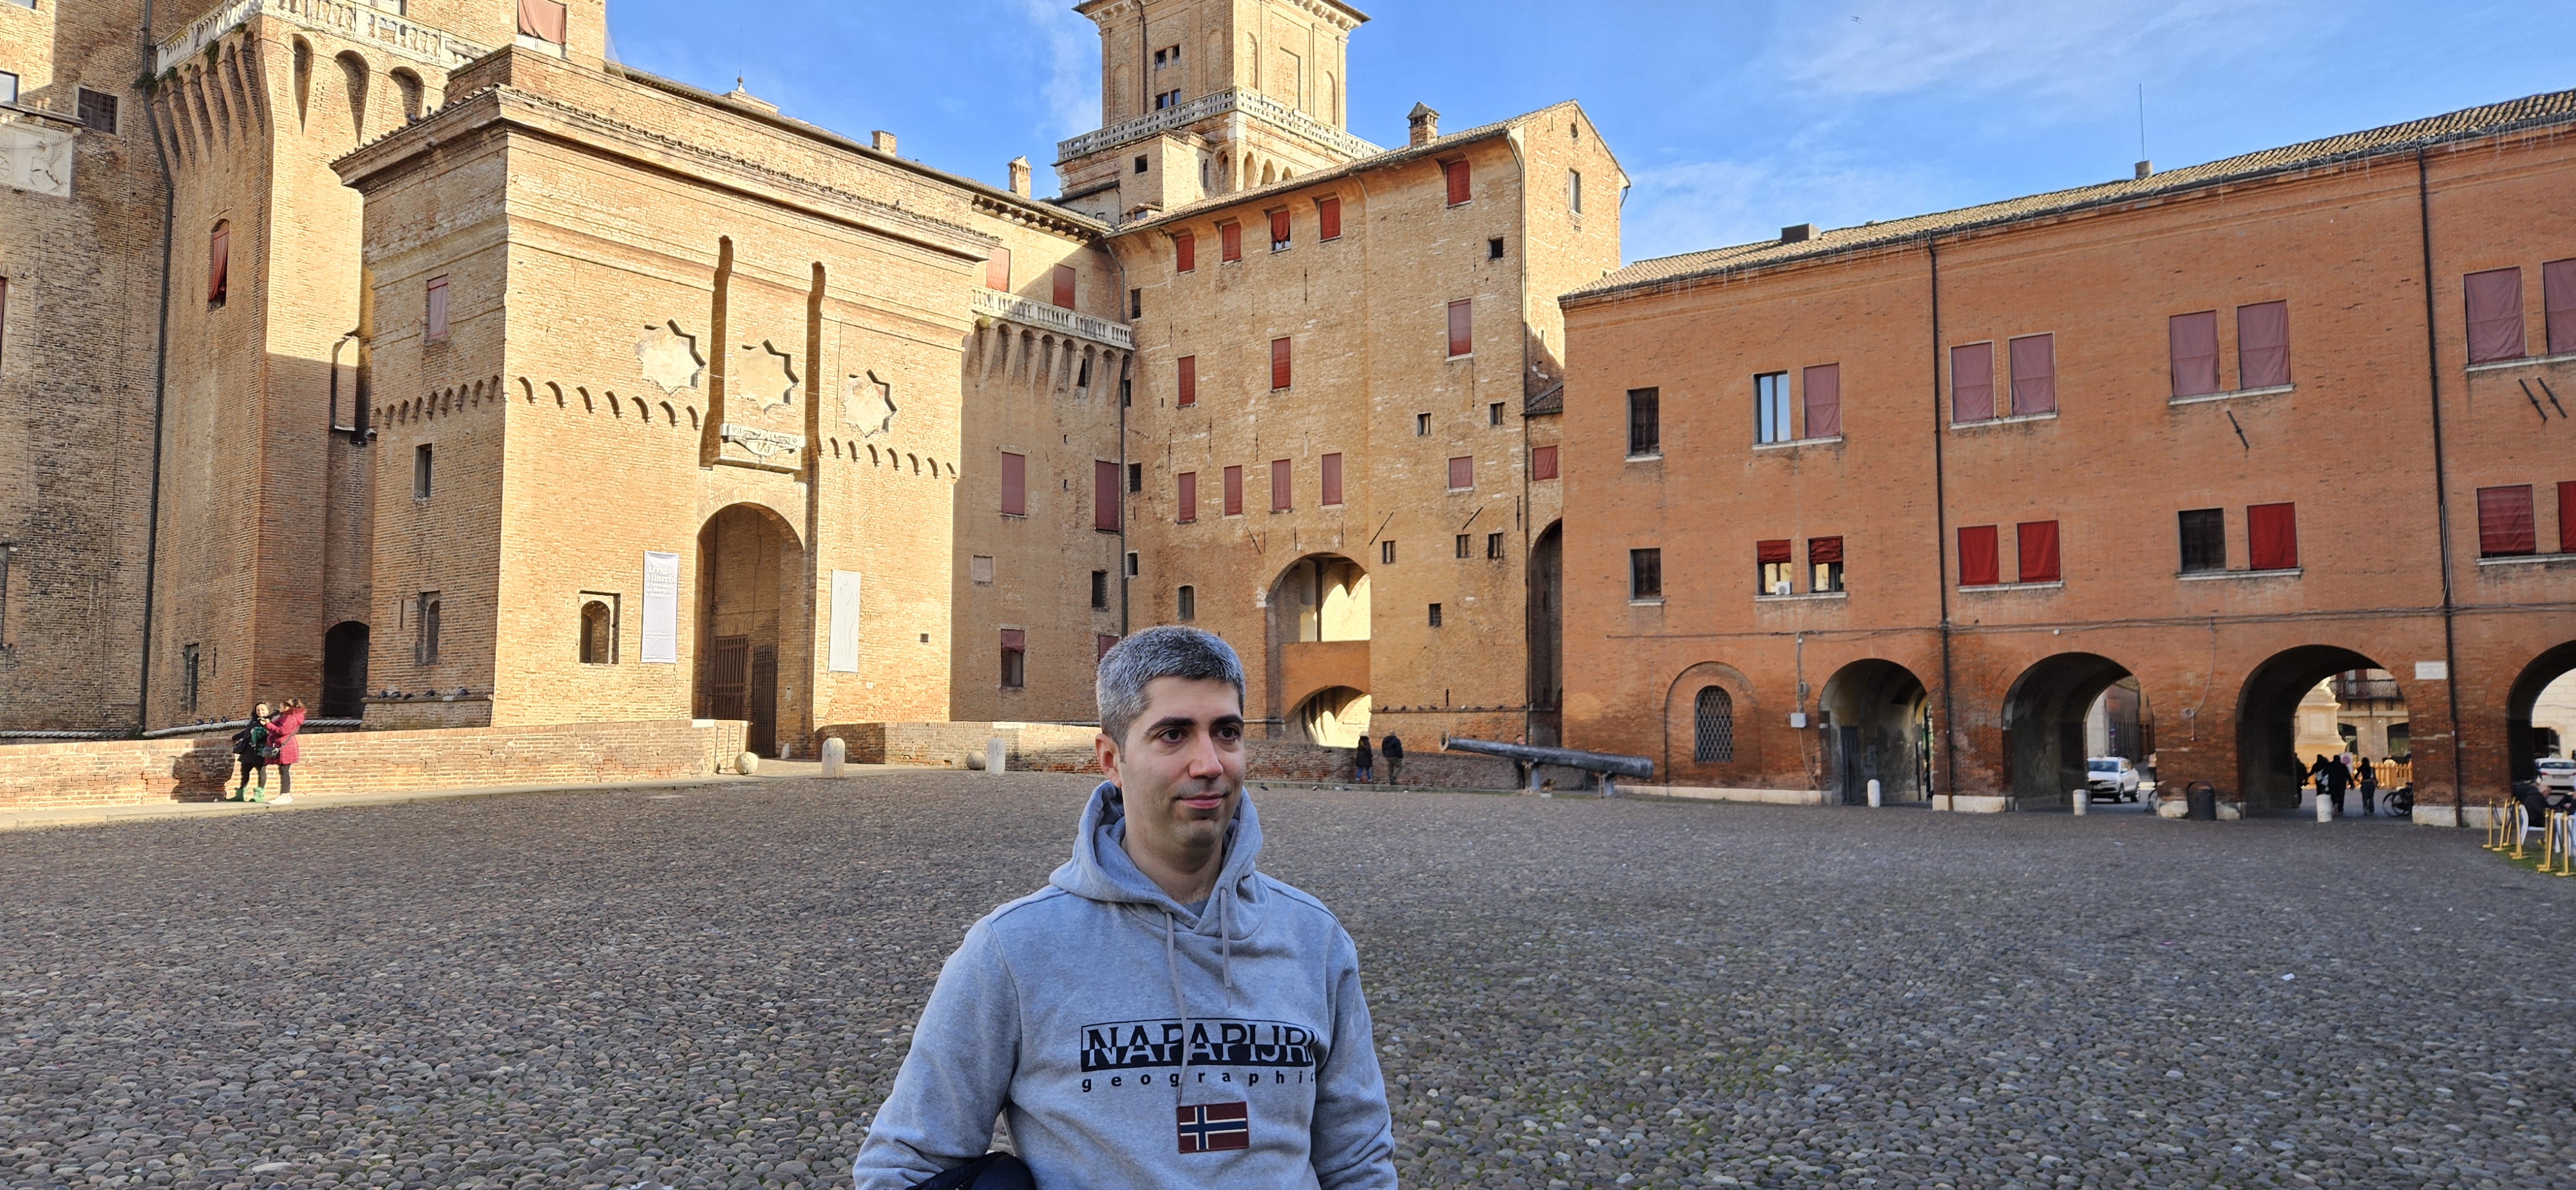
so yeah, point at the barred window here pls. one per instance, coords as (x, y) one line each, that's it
(1714, 735)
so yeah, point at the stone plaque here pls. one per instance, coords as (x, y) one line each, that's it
(768, 447)
(36, 156)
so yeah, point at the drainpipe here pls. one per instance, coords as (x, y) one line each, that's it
(2441, 494)
(160, 380)
(1941, 540)
(351, 430)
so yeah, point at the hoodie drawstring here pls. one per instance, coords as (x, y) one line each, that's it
(1225, 932)
(1172, 967)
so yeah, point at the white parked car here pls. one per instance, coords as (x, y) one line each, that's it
(2557, 774)
(2112, 778)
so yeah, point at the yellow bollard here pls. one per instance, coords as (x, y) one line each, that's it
(2516, 828)
(2493, 835)
(2548, 838)
(2566, 841)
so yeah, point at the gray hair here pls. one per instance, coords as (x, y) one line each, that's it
(1165, 652)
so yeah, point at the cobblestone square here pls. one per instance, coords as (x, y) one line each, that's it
(712, 988)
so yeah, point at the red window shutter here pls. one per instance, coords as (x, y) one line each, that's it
(2567, 518)
(219, 260)
(1972, 382)
(1768, 552)
(1328, 217)
(2558, 302)
(1278, 228)
(1189, 380)
(542, 19)
(2272, 536)
(1462, 473)
(1543, 463)
(1064, 286)
(1821, 550)
(1105, 643)
(2192, 340)
(1189, 496)
(437, 317)
(1980, 561)
(997, 270)
(1015, 640)
(2034, 374)
(2263, 345)
(1823, 386)
(1229, 237)
(1462, 328)
(2038, 542)
(1455, 172)
(2495, 315)
(1015, 484)
(1332, 479)
(1281, 499)
(1234, 491)
(1279, 363)
(1185, 252)
(2504, 522)
(1104, 496)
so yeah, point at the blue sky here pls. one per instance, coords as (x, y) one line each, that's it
(1732, 118)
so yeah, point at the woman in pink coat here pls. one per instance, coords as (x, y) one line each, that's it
(288, 731)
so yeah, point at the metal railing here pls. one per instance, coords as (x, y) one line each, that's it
(1055, 318)
(1252, 102)
(356, 22)
(2349, 690)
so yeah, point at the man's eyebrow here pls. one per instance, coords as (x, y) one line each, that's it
(1172, 721)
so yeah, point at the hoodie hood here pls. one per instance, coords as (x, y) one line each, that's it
(1101, 871)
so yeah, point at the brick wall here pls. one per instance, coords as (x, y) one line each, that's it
(140, 772)
(1062, 748)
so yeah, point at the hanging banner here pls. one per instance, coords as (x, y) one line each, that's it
(845, 621)
(661, 609)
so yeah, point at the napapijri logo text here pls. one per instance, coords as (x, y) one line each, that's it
(1135, 1045)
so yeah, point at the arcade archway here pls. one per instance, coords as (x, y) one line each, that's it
(344, 671)
(1877, 727)
(2540, 711)
(1318, 621)
(2045, 721)
(2297, 704)
(750, 574)
(1335, 717)
(1547, 637)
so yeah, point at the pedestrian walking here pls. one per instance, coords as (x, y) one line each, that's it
(2317, 775)
(2369, 777)
(1394, 749)
(1363, 761)
(289, 729)
(1241, 1053)
(255, 748)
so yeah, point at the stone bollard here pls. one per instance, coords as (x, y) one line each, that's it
(1876, 796)
(2325, 809)
(836, 752)
(2081, 799)
(747, 764)
(997, 753)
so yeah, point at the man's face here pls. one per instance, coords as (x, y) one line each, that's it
(1180, 769)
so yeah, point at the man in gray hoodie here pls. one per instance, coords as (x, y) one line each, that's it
(1161, 1016)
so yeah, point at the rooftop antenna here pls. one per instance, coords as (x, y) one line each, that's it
(2145, 166)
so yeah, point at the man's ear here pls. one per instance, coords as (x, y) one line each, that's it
(1106, 749)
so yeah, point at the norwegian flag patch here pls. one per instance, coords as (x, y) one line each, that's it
(1215, 1127)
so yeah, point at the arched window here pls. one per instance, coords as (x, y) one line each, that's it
(597, 643)
(409, 86)
(1189, 603)
(219, 263)
(1714, 730)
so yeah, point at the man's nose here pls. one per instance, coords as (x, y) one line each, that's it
(1204, 761)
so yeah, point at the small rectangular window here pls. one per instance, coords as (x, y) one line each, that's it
(1279, 371)
(2505, 524)
(2204, 539)
(1332, 484)
(1422, 425)
(1281, 486)
(1461, 545)
(1015, 658)
(1135, 477)
(1100, 590)
(1185, 253)
(1328, 217)
(1980, 563)
(9, 95)
(2034, 375)
(1187, 485)
(2558, 305)
(1435, 615)
(1493, 546)
(1543, 462)
(1229, 241)
(1824, 563)
(425, 617)
(1386, 553)
(1972, 383)
(1015, 484)
(2567, 518)
(2191, 343)
(1462, 328)
(189, 655)
(219, 263)
(97, 111)
(1645, 574)
(1462, 473)
(997, 270)
(2272, 536)
(1189, 381)
(437, 330)
(1771, 407)
(1064, 286)
(1234, 491)
(420, 471)
(1186, 602)
(1281, 231)
(1645, 428)
(1574, 191)
(1135, 304)
(1132, 563)
(1822, 390)
(543, 20)
(2495, 315)
(2263, 345)
(1494, 413)
(1455, 174)
(1494, 248)
(1773, 563)
(2037, 551)
(1106, 499)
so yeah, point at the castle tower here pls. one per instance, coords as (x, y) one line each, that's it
(1206, 97)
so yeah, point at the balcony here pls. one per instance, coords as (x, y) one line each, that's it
(2349, 689)
(996, 304)
(1248, 102)
(338, 18)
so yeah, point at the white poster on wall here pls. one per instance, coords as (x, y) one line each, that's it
(845, 621)
(661, 609)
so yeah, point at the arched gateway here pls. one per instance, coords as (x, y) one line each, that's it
(750, 621)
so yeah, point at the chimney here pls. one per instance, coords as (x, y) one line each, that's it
(1426, 124)
(1020, 176)
(1797, 233)
(2145, 168)
(882, 141)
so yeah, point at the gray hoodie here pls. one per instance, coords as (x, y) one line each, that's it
(1068, 1009)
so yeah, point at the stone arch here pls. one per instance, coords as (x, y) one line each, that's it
(353, 74)
(587, 404)
(2269, 766)
(237, 79)
(1546, 607)
(409, 90)
(1681, 725)
(872, 457)
(2043, 724)
(669, 417)
(1876, 716)
(1319, 622)
(527, 390)
(1333, 717)
(1712, 726)
(751, 623)
(344, 671)
(693, 417)
(557, 390)
(1268, 174)
(2525, 741)
(302, 56)
(595, 637)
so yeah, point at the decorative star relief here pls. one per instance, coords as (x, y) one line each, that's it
(867, 403)
(767, 376)
(670, 358)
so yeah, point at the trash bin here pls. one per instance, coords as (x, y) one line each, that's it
(2200, 800)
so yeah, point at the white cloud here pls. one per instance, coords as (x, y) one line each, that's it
(2039, 49)
(1070, 46)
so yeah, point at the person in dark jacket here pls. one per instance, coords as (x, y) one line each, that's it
(2369, 778)
(255, 746)
(1394, 749)
(1363, 763)
(2329, 777)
